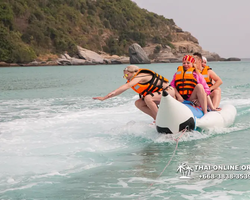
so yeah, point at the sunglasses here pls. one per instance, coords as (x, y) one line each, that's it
(126, 75)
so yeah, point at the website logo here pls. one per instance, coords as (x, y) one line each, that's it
(185, 171)
(207, 172)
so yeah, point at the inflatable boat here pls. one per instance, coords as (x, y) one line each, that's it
(174, 116)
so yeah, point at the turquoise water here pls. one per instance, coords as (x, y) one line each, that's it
(58, 143)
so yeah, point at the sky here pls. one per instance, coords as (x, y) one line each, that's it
(221, 26)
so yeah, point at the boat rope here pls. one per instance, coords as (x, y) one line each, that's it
(177, 141)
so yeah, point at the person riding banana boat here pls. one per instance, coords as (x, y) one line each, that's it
(190, 85)
(148, 84)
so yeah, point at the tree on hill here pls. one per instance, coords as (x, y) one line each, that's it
(29, 28)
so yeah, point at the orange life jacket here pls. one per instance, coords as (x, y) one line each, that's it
(185, 81)
(150, 87)
(205, 75)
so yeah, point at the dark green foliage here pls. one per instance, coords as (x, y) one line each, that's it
(136, 36)
(12, 49)
(5, 46)
(106, 24)
(157, 39)
(6, 15)
(157, 49)
(113, 46)
(30, 28)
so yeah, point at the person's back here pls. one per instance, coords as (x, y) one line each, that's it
(150, 82)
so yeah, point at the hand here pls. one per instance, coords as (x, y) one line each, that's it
(196, 102)
(111, 94)
(98, 98)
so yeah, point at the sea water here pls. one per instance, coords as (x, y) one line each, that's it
(56, 142)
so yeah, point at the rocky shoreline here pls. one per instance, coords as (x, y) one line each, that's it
(137, 55)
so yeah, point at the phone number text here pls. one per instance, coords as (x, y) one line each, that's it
(224, 176)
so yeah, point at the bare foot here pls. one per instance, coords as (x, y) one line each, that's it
(216, 109)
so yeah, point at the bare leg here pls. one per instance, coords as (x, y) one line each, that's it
(200, 94)
(141, 105)
(216, 97)
(149, 104)
(152, 102)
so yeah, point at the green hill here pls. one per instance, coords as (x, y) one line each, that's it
(29, 28)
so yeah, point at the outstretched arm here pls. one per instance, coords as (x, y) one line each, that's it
(119, 90)
(116, 92)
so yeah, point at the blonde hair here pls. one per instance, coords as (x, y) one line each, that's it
(204, 58)
(132, 68)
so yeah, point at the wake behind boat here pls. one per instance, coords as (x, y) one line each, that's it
(174, 116)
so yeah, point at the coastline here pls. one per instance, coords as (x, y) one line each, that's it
(55, 63)
(136, 55)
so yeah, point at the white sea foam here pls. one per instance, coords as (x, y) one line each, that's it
(57, 135)
(236, 102)
(19, 188)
